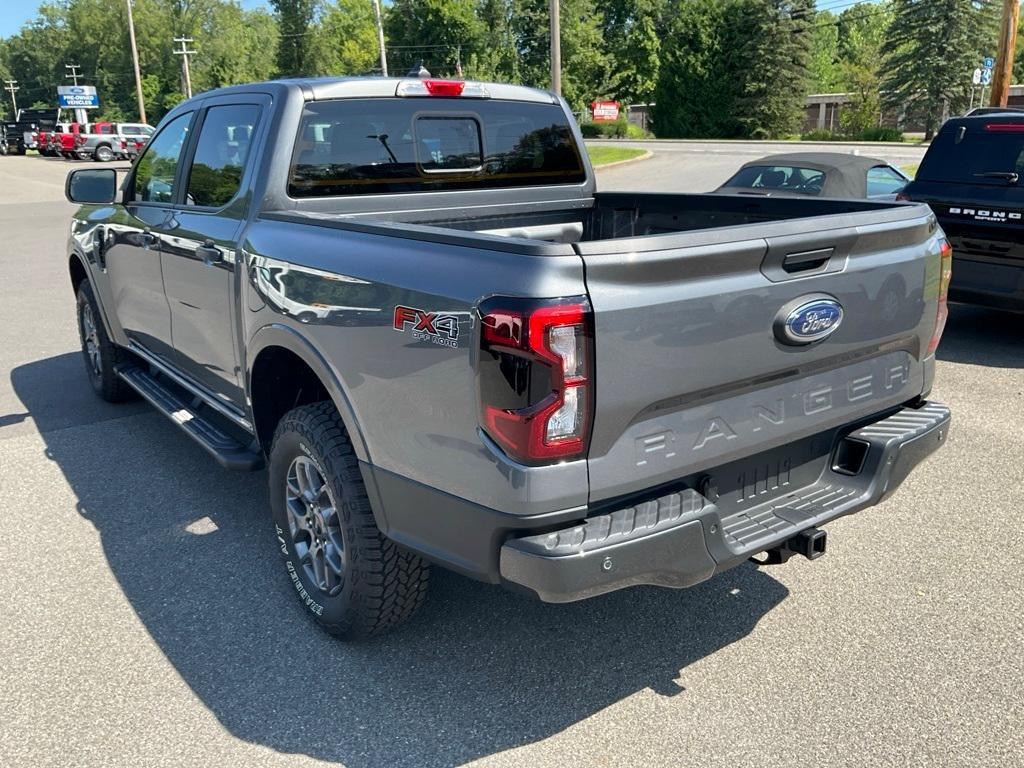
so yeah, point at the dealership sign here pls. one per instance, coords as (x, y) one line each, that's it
(77, 96)
(605, 111)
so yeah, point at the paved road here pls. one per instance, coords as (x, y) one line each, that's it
(691, 166)
(145, 619)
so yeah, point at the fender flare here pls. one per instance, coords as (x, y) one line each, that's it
(278, 335)
(87, 268)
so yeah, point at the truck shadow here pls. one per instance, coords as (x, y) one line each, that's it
(981, 336)
(478, 671)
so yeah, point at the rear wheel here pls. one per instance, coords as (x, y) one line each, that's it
(353, 580)
(101, 355)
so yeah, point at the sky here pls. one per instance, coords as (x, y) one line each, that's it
(14, 13)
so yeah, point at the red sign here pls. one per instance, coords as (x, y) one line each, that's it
(605, 111)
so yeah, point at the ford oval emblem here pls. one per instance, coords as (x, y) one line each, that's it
(808, 319)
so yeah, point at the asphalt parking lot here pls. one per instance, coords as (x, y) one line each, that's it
(145, 618)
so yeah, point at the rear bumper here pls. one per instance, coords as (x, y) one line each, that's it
(987, 284)
(682, 537)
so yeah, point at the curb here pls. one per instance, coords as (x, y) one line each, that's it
(647, 154)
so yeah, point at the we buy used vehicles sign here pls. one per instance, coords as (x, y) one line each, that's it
(605, 111)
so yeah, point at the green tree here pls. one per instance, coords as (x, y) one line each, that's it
(768, 52)
(861, 29)
(440, 33)
(826, 69)
(632, 32)
(933, 46)
(346, 42)
(295, 47)
(694, 96)
(588, 66)
(498, 56)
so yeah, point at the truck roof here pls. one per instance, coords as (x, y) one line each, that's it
(320, 88)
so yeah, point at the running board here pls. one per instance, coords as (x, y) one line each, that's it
(194, 418)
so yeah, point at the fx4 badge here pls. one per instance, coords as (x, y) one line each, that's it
(435, 327)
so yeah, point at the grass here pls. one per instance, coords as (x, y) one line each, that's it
(910, 170)
(605, 155)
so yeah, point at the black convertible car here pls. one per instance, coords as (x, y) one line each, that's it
(824, 174)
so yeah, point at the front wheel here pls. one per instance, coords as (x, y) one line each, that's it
(353, 580)
(104, 154)
(100, 353)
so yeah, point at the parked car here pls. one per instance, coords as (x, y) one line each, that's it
(31, 122)
(110, 141)
(131, 147)
(824, 174)
(406, 298)
(12, 139)
(971, 177)
(68, 139)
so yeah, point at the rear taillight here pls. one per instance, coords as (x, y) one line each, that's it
(535, 377)
(945, 275)
(79, 140)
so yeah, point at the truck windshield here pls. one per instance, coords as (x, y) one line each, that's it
(376, 146)
(974, 157)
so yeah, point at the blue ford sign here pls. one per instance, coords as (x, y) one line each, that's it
(808, 319)
(77, 96)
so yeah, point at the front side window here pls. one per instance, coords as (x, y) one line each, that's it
(154, 175)
(377, 146)
(221, 154)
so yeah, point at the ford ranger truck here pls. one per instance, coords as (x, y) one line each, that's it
(971, 178)
(407, 300)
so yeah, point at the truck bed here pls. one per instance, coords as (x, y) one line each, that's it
(611, 222)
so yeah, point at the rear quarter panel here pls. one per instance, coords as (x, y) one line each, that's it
(413, 398)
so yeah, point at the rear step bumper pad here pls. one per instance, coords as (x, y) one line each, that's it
(680, 539)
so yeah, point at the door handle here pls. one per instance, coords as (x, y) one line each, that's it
(209, 253)
(807, 260)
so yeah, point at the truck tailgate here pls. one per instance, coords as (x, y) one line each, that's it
(692, 368)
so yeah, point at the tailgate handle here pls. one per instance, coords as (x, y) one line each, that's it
(805, 261)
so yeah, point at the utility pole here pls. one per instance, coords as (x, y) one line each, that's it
(12, 86)
(380, 38)
(185, 53)
(80, 114)
(556, 50)
(1004, 58)
(135, 64)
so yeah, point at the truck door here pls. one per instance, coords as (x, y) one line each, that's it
(132, 257)
(199, 244)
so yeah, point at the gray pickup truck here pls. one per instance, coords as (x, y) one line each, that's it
(407, 300)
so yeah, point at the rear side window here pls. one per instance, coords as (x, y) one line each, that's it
(973, 155)
(375, 146)
(154, 175)
(789, 178)
(883, 180)
(221, 154)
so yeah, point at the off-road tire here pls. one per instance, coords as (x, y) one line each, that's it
(105, 381)
(382, 584)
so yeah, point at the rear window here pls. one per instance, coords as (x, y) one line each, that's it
(973, 155)
(376, 146)
(788, 178)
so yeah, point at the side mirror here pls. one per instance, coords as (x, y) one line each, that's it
(92, 185)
